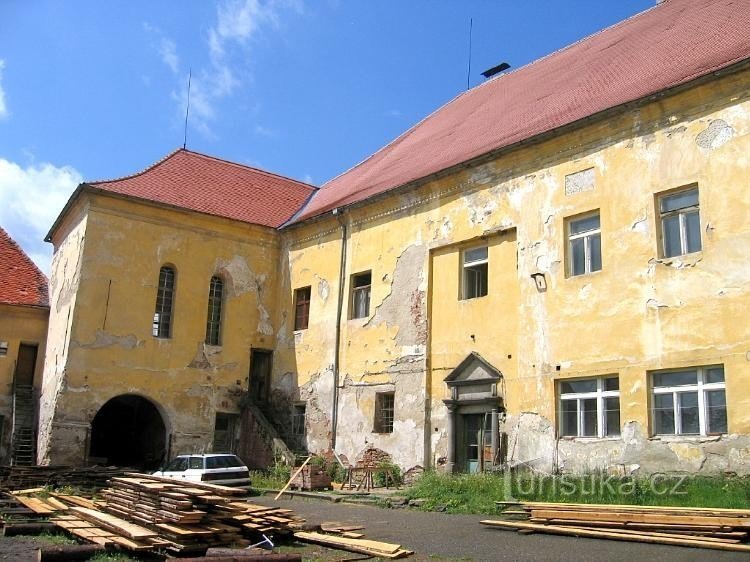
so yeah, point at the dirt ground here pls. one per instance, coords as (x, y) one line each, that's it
(435, 537)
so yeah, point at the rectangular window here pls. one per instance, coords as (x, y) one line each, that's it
(589, 407)
(584, 245)
(301, 308)
(680, 223)
(384, 402)
(298, 419)
(360, 299)
(689, 401)
(474, 273)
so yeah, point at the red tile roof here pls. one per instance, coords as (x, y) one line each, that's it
(194, 181)
(663, 47)
(21, 282)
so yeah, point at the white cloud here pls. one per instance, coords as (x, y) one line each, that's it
(168, 51)
(238, 22)
(3, 107)
(30, 200)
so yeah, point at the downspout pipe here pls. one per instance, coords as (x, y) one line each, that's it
(339, 312)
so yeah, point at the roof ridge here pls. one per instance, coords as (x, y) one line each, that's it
(21, 251)
(568, 46)
(478, 86)
(248, 167)
(208, 157)
(136, 174)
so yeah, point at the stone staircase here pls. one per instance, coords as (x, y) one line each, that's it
(262, 443)
(23, 440)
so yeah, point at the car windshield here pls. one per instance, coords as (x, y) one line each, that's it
(224, 461)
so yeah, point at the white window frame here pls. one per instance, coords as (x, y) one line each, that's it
(701, 387)
(587, 237)
(682, 214)
(599, 394)
(466, 265)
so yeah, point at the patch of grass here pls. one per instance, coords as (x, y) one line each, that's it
(459, 493)
(476, 493)
(112, 557)
(274, 478)
(50, 537)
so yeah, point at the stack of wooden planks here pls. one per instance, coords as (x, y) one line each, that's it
(724, 529)
(92, 478)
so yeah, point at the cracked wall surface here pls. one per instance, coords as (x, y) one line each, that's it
(639, 314)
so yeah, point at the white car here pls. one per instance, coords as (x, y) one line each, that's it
(215, 468)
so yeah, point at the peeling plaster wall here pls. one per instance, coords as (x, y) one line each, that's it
(18, 324)
(64, 280)
(640, 313)
(110, 349)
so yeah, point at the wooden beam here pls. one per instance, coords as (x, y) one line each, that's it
(292, 478)
(614, 535)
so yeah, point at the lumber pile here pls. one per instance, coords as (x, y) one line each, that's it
(89, 478)
(724, 529)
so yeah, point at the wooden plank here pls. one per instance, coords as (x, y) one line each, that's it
(627, 507)
(374, 546)
(114, 523)
(614, 535)
(634, 517)
(307, 460)
(36, 505)
(77, 500)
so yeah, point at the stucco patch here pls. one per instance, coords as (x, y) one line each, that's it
(718, 133)
(105, 339)
(405, 305)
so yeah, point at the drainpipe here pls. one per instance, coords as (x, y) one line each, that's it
(339, 310)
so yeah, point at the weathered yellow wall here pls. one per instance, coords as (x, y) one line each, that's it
(111, 350)
(639, 314)
(18, 325)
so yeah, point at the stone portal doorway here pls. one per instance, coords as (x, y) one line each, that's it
(473, 387)
(128, 431)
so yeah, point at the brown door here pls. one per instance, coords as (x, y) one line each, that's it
(25, 365)
(260, 375)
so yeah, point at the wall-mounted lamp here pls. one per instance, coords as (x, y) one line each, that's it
(540, 281)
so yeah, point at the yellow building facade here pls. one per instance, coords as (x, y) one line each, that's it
(24, 311)
(571, 301)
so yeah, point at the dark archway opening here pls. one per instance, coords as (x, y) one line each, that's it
(129, 431)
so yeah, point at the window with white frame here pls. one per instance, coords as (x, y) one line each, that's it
(584, 244)
(689, 401)
(680, 223)
(474, 273)
(589, 407)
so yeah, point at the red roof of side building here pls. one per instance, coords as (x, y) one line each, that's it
(194, 181)
(21, 282)
(666, 46)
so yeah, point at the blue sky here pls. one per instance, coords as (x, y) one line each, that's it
(94, 90)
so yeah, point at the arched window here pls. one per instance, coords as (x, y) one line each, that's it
(213, 324)
(162, 325)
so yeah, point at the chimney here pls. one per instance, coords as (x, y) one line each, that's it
(503, 66)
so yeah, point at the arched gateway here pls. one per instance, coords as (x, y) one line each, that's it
(129, 431)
